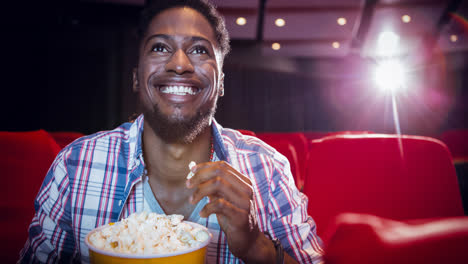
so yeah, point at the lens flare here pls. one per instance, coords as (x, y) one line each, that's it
(388, 43)
(390, 75)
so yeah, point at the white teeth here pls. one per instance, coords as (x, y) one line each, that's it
(179, 90)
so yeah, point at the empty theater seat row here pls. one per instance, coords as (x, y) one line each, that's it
(396, 197)
(298, 146)
(379, 198)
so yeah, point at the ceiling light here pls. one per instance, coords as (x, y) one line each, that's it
(276, 46)
(341, 21)
(280, 22)
(241, 21)
(336, 45)
(453, 38)
(388, 43)
(406, 18)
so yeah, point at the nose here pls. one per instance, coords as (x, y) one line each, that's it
(179, 63)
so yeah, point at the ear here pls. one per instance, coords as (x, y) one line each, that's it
(136, 85)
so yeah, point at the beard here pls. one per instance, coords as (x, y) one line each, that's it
(178, 129)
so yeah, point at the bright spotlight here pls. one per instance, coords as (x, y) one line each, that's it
(390, 75)
(388, 43)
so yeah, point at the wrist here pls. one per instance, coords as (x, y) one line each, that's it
(280, 255)
(263, 250)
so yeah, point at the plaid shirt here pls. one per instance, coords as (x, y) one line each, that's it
(99, 179)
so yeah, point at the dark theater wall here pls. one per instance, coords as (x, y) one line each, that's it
(79, 79)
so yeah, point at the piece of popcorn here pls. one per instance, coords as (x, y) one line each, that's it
(175, 219)
(200, 235)
(191, 165)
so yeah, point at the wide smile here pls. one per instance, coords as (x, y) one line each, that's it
(179, 89)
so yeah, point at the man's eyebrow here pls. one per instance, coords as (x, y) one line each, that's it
(196, 38)
(164, 36)
(168, 37)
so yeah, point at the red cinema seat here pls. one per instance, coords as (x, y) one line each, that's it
(63, 138)
(300, 143)
(372, 174)
(349, 133)
(368, 239)
(457, 142)
(25, 158)
(247, 132)
(311, 135)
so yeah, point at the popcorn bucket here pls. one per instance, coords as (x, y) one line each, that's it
(194, 255)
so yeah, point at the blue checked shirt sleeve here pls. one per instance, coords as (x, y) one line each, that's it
(289, 221)
(50, 233)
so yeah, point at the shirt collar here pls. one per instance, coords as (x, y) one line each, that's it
(218, 142)
(139, 122)
(135, 142)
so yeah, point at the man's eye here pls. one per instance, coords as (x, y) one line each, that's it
(158, 47)
(199, 50)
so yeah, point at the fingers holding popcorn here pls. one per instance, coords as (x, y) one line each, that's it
(231, 200)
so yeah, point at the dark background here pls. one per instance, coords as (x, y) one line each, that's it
(69, 69)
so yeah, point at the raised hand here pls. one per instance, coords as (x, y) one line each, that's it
(231, 199)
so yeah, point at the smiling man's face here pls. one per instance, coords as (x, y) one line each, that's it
(179, 74)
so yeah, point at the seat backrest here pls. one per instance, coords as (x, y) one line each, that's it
(247, 132)
(400, 178)
(311, 135)
(336, 133)
(368, 239)
(300, 143)
(457, 142)
(63, 138)
(25, 158)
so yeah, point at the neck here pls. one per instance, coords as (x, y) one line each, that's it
(167, 163)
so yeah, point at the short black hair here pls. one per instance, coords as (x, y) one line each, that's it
(207, 9)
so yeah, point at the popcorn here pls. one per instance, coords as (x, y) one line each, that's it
(148, 233)
(191, 165)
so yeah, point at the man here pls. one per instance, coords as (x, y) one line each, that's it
(240, 187)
